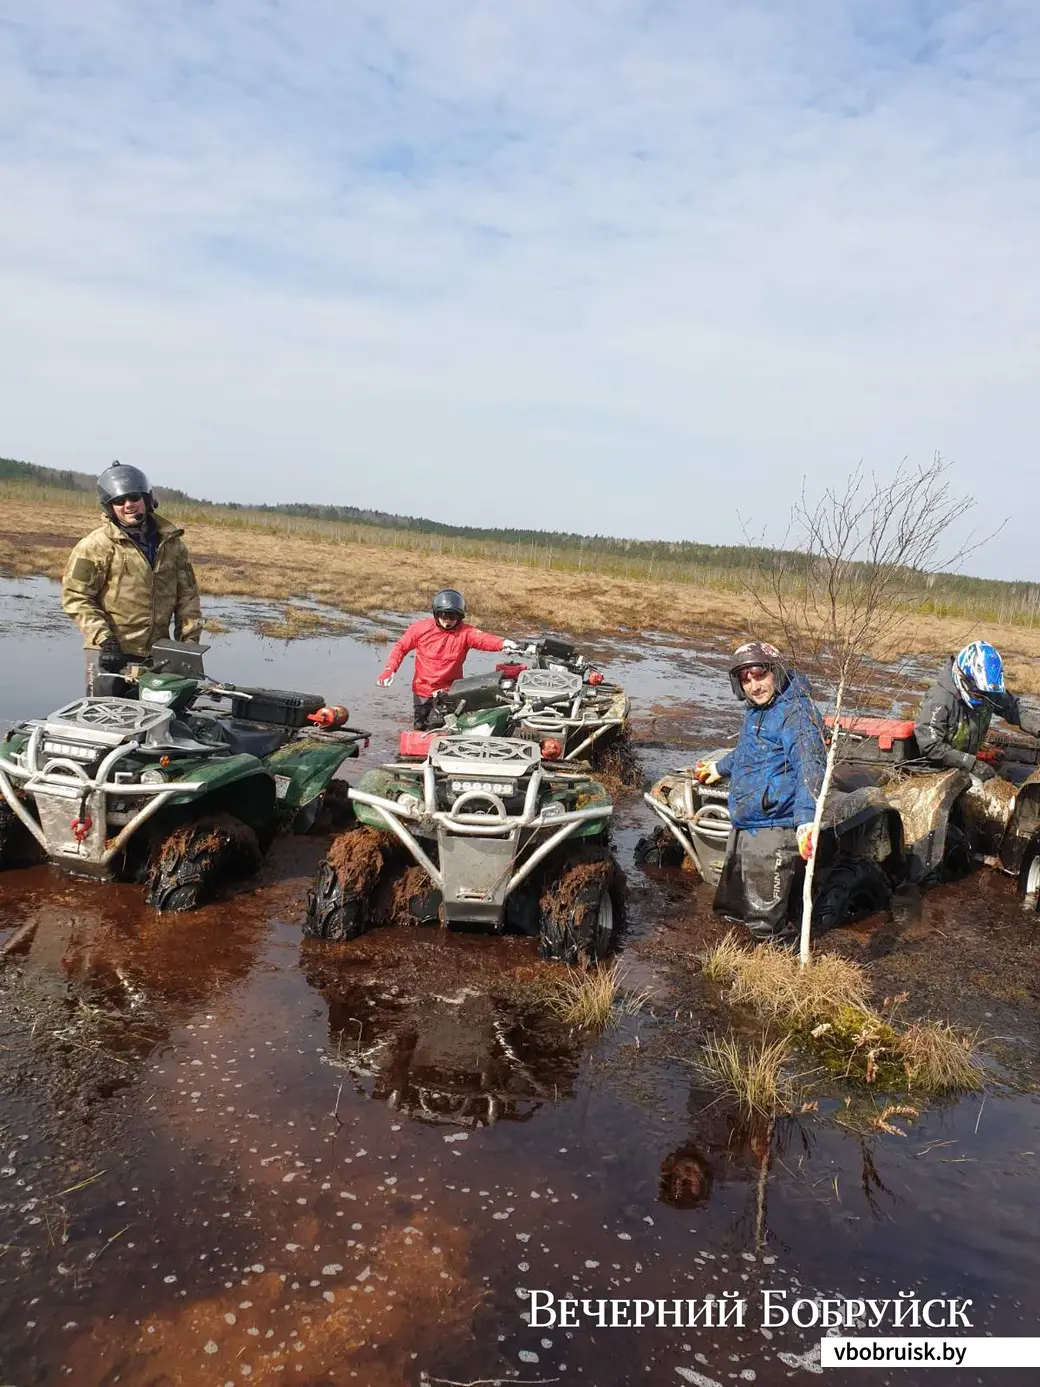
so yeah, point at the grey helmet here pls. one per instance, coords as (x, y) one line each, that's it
(758, 653)
(449, 602)
(123, 480)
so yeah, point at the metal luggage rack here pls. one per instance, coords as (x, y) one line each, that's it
(480, 756)
(55, 764)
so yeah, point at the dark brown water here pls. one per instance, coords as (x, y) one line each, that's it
(227, 1156)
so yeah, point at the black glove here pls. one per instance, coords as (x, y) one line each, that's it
(983, 770)
(111, 658)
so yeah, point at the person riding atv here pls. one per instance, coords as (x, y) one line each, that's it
(441, 642)
(956, 711)
(127, 580)
(775, 772)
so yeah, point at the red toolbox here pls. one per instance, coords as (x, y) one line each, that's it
(888, 740)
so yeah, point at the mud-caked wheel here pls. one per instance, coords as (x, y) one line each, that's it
(658, 849)
(853, 888)
(618, 759)
(580, 910)
(1029, 878)
(188, 865)
(958, 860)
(18, 847)
(330, 812)
(338, 904)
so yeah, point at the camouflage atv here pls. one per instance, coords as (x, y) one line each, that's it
(953, 821)
(860, 857)
(889, 809)
(499, 838)
(180, 786)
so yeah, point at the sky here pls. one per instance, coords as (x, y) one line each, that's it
(630, 267)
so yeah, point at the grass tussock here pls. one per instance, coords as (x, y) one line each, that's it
(594, 998)
(751, 1074)
(769, 981)
(939, 1060)
(827, 1005)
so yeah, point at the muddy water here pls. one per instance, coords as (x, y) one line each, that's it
(227, 1156)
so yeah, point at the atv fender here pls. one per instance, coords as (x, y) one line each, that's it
(302, 770)
(214, 772)
(924, 803)
(1023, 824)
(863, 824)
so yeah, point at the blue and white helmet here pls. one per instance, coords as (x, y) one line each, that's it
(978, 671)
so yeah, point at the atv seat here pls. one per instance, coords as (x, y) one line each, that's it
(177, 739)
(252, 740)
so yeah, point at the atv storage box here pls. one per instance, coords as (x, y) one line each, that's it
(277, 706)
(553, 649)
(885, 741)
(477, 692)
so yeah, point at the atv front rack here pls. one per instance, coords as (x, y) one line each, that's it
(498, 824)
(64, 779)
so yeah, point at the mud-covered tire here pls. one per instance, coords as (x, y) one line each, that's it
(424, 906)
(1029, 878)
(618, 759)
(339, 902)
(580, 910)
(853, 888)
(958, 861)
(18, 848)
(658, 849)
(189, 863)
(330, 812)
(333, 913)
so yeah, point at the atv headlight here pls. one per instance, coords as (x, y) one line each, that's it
(153, 777)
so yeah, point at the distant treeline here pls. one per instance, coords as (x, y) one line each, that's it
(665, 551)
(13, 471)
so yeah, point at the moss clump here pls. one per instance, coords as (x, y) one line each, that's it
(825, 1005)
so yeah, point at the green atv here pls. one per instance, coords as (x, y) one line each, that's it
(550, 695)
(180, 786)
(499, 839)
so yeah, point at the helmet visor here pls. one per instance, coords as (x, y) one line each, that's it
(748, 672)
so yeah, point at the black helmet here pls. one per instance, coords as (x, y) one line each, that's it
(449, 602)
(122, 480)
(758, 653)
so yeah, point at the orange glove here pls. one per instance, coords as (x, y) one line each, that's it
(707, 772)
(806, 840)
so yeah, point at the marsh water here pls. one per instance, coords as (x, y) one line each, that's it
(228, 1155)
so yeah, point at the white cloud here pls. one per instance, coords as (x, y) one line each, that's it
(602, 265)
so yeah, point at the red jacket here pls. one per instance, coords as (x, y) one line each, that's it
(439, 654)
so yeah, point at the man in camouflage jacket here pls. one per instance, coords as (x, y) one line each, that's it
(129, 579)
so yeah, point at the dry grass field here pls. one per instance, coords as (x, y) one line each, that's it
(279, 559)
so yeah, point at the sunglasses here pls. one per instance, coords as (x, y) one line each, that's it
(749, 672)
(124, 500)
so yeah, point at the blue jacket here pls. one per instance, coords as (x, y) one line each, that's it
(776, 767)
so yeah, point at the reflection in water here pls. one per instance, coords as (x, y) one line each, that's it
(463, 1058)
(101, 982)
(686, 1178)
